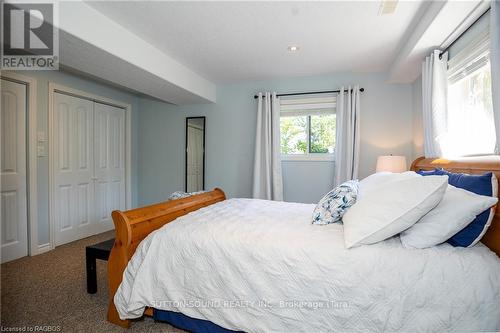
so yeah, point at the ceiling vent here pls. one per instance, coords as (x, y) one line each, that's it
(387, 7)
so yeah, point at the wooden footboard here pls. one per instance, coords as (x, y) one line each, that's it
(134, 225)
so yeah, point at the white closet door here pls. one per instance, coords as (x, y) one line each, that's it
(109, 162)
(73, 168)
(14, 218)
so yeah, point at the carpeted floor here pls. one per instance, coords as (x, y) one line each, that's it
(50, 290)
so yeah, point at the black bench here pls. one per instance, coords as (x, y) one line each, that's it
(93, 252)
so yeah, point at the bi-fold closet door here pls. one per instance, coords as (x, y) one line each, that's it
(88, 166)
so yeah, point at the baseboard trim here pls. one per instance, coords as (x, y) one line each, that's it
(44, 248)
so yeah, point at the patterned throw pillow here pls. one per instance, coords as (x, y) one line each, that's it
(335, 203)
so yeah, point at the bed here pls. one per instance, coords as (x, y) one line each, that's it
(188, 257)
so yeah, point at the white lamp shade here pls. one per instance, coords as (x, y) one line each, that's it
(391, 163)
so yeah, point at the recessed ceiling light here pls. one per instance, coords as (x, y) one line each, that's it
(293, 48)
(387, 7)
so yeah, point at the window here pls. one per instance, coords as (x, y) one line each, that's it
(307, 127)
(471, 127)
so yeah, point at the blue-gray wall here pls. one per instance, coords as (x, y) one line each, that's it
(386, 128)
(76, 82)
(158, 136)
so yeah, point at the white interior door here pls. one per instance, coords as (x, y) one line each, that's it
(73, 168)
(194, 159)
(199, 158)
(191, 160)
(109, 162)
(14, 217)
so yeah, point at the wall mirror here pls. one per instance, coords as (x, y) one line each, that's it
(195, 154)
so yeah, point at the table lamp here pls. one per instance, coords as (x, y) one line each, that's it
(391, 163)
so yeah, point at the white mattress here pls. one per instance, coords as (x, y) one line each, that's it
(237, 262)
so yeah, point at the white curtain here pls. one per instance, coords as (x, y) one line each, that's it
(347, 136)
(495, 64)
(434, 103)
(267, 178)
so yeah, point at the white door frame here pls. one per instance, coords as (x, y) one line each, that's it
(53, 88)
(31, 158)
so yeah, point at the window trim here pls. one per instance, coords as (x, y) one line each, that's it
(471, 58)
(309, 157)
(308, 107)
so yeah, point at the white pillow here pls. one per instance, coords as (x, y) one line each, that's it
(378, 179)
(457, 209)
(392, 208)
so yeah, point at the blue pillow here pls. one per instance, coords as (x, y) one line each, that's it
(485, 184)
(435, 172)
(335, 203)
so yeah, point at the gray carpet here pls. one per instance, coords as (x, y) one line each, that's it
(50, 290)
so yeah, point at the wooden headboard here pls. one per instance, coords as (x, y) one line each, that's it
(470, 165)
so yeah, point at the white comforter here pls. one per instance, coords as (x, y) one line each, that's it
(260, 266)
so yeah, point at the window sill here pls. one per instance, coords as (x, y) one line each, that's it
(309, 158)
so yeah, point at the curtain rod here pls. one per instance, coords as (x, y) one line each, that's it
(463, 33)
(310, 93)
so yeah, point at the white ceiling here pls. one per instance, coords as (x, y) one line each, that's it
(235, 41)
(93, 44)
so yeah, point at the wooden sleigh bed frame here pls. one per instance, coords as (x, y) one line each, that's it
(134, 225)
